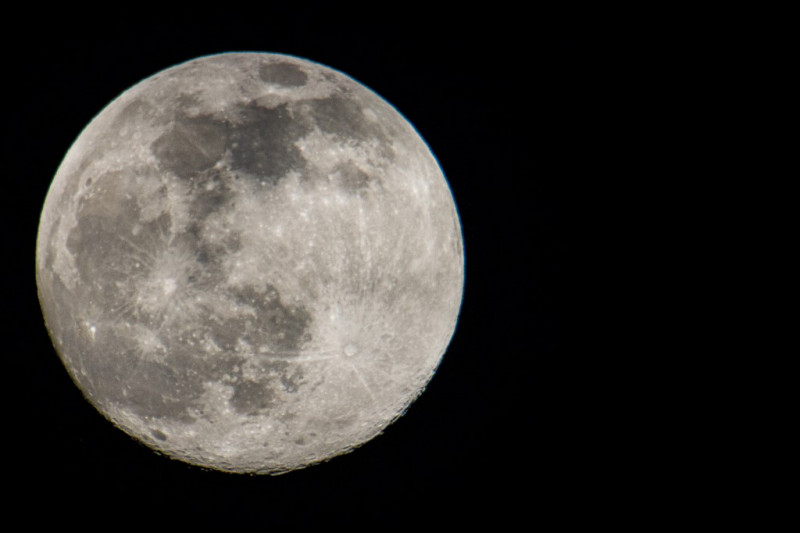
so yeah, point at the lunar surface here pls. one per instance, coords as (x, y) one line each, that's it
(250, 262)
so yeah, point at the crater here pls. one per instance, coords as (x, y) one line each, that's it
(350, 350)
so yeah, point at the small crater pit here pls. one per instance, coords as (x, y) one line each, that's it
(350, 350)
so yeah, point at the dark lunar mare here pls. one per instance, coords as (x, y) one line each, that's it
(115, 368)
(191, 144)
(113, 262)
(263, 144)
(342, 116)
(284, 74)
(261, 141)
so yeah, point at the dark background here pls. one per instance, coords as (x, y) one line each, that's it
(505, 102)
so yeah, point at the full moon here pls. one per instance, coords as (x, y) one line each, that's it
(250, 262)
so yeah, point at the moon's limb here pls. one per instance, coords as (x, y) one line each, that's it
(250, 262)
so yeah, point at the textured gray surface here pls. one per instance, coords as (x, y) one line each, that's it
(250, 262)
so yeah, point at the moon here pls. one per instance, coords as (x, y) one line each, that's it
(250, 262)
